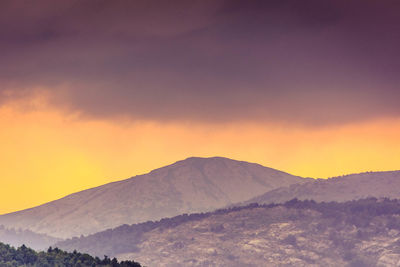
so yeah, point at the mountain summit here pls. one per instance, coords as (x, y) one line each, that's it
(191, 185)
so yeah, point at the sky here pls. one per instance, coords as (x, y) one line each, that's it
(97, 91)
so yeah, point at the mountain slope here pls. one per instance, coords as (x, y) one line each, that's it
(349, 187)
(298, 233)
(191, 185)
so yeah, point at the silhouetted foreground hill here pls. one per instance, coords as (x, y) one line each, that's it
(191, 185)
(23, 256)
(344, 188)
(298, 233)
(19, 237)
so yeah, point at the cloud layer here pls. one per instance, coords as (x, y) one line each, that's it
(307, 62)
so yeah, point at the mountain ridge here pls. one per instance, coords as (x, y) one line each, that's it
(341, 188)
(191, 185)
(147, 173)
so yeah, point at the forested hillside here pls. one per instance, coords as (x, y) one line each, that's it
(298, 233)
(24, 256)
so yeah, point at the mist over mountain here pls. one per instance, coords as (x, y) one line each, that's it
(18, 237)
(191, 185)
(343, 188)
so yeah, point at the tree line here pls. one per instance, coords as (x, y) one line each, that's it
(54, 257)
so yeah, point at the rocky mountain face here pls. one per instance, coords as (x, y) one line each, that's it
(191, 185)
(298, 233)
(349, 187)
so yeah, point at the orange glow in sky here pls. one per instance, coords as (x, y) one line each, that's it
(46, 154)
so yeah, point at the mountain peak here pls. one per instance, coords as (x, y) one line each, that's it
(222, 162)
(192, 185)
(194, 160)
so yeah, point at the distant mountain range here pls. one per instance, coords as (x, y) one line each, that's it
(298, 233)
(191, 185)
(349, 187)
(146, 218)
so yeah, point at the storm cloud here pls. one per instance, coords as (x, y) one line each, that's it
(307, 62)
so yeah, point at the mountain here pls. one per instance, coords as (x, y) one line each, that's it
(191, 185)
(349, 187)
(18, 237)
(298, 233)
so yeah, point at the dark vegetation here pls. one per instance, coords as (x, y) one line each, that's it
(370, 216)
(359, 213)
(125, 238)
(24, 256)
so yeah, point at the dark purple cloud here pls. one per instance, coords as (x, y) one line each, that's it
(311, 61)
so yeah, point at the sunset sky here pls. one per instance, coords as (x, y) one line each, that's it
(97, 91)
